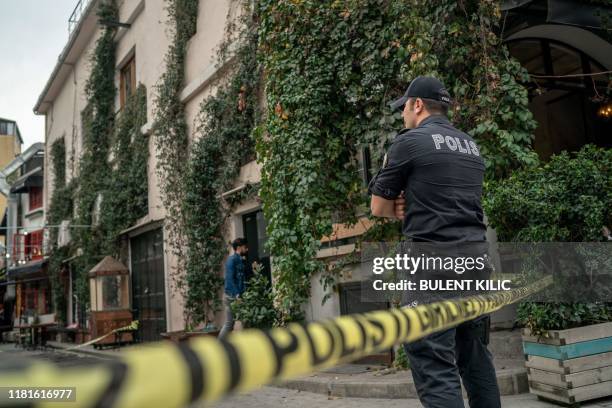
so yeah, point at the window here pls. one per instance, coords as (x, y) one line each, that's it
(7, 128)
(34, 245)
(36, 198)
(28, 246)
(127, 81)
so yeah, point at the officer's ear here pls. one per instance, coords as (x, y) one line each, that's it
(418, 106)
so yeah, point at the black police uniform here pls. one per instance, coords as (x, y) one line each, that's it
(441, 172)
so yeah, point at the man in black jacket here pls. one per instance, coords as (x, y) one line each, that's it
(432, 180)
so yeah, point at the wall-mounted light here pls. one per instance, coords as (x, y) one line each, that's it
(605, 111)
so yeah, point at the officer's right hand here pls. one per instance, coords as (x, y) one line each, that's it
(399, 206)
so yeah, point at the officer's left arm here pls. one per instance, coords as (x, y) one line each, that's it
(386, 188)
(381, 207)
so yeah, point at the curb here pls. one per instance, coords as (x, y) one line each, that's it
(511, 382)
(95, 353)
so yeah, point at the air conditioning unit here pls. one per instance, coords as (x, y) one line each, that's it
(63, 236)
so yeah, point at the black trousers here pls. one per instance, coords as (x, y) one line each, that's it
(441, 359)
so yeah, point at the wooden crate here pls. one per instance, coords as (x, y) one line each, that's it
(105, 322)
(571, 365)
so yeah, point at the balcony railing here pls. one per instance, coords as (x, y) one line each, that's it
(76, 15)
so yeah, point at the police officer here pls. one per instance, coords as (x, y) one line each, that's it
(432, 179)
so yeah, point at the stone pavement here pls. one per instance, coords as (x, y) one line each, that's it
(270, 397)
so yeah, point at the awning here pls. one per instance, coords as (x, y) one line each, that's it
(31, 179)
(13, 282)
(25, 271)
(576, 13)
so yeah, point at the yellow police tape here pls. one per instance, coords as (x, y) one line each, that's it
(168, 375)
(132, 326)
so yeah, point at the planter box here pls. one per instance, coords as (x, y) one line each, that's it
(571, 365)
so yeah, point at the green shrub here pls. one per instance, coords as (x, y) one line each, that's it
(255, 308)
(541, 317)
(567, 199)
(401, 361)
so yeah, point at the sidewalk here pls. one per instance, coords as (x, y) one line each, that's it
(90, 350)
(362, 381)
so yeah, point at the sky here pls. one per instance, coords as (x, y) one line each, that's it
(32, 35)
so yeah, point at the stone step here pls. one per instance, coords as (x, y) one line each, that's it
(506, 344)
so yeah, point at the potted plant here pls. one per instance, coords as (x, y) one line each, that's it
(567, 342)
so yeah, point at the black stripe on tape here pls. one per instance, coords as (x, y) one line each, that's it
(317, 358)
(196, 370)
(281, 351)
(111, 393)
(234, 363)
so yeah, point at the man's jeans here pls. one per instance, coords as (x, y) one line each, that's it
(228, 326)
(439, 360)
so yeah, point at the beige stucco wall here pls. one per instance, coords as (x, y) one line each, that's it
(10, 147)
(63, 120)
(148, 40)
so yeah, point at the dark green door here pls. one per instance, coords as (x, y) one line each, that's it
(148, 285)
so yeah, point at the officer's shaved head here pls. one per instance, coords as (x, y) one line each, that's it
(433, 107)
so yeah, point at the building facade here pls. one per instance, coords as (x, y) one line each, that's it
(546, 41)
(26, 290)
(10, 147)
(140, 48)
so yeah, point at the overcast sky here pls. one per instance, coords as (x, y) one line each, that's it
(32, 35)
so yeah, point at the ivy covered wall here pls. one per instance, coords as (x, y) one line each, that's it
(330, 70)
(109, 193)
(170, 133)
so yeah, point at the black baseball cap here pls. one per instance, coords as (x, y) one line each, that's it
(424, 87)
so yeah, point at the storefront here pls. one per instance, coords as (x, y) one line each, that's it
(32, 292)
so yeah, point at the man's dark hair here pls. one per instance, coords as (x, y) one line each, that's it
(238, 242)
(432, 106)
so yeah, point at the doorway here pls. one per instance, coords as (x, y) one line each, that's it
(148, 284)
(254, 227)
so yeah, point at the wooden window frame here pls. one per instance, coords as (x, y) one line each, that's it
(35, 198)
(127, 88)
(35, 244)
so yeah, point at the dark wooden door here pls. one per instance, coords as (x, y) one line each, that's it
(254, 226)
(148, 284)
(351, 302)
